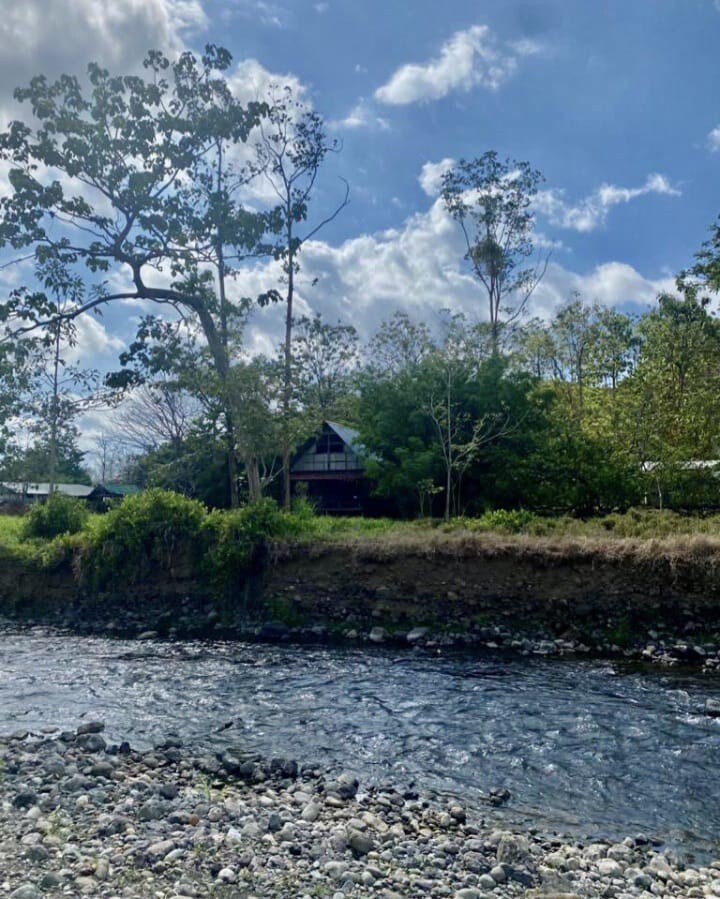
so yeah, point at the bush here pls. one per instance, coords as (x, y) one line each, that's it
(506, 521)
(147, 532)
(236, 539)
(58, 515)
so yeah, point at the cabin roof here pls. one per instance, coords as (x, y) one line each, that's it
(116, 489)
(42, 488)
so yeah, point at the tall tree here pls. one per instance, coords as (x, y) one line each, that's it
(147, 184)
(491, 200)
(325, 356)
(289, 153)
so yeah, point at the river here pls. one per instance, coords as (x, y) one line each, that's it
(585, 747)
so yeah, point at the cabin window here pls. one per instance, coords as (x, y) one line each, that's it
(329, 443)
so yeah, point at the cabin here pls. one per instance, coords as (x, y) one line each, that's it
(329, 470)
(103, 495)
(14, 492)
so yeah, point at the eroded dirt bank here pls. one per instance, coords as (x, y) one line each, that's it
(622, 593)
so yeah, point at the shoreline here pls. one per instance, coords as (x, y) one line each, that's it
(81, 817)
(646, 601)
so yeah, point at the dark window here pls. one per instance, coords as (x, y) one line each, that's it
(329, 443)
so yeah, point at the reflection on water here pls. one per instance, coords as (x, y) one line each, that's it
(577, 743)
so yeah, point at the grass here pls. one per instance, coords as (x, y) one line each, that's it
(641, 534)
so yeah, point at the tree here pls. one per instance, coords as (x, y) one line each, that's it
(147, 185)
(325, 356)
(290, 150)
(492, 202)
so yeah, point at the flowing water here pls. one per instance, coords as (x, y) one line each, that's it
(584, 747)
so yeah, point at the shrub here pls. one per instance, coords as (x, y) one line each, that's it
(236, 539)
(146, 532)
(58, 515)
(506, 521)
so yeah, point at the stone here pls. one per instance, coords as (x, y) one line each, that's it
(152, 810)
(512, 849)
(487, 882)
(91, 742)
(416, 634)
(160, 849)
(360, 843)
(91, 727)
(377, 635)
(26, 891)
(311, 812)
(608, 867)
(712, 708)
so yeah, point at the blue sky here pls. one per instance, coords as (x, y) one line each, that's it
(614, 101)
(614, 91)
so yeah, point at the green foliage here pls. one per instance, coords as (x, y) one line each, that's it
(237, 538)
(506, 521)
(148, 532)
(60, 514)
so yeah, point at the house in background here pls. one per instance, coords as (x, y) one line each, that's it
(329, 470)
(102, 495)
(20, 492)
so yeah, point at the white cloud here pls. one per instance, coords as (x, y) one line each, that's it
(470, 58)
(270, 14)
(55, 36)
(362, 115)
(713, 138)
(418, 268)
(432, 173)
(593, 210)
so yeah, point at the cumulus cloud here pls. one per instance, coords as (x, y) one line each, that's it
(55, 36)
(418, 268)
(362, 115)
(592, 211)
(431, 175)
(713, 139)
(469, 59)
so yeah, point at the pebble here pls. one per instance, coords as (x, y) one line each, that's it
(170, 823)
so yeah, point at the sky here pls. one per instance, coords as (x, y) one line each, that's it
(615, 102)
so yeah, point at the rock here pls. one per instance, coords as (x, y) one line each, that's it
(25, 799)
(160, 849)
(608, 867)
(91, 742)
(274, 824)
(360, 842)
(377, 635)
(498, 874)
(152, 810)
(417, 633)
(102, 769)
(91, 727)
(513, 849)
(26, 891)
(227, 875)
(468, 893)
(712, 708)
(346, 786)
(487, 882)
(311, 812)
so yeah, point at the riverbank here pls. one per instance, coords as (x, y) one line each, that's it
(82, 817)
(656, 601)
(160, 564)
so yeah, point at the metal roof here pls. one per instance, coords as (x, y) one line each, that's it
(349, 436)
(42, 488)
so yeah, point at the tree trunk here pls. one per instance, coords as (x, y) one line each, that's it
(287, 371)
(253, 475)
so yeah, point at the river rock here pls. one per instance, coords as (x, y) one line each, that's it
(712, 708)
(377, 635)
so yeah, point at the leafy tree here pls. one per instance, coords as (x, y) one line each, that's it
(147, 184)
(289, 153)
(491, 200)
(326, 357)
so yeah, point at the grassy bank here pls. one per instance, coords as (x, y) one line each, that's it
(157, 533)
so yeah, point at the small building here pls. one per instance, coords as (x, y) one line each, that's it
(328, 468)
(38, 491)
(104, 494)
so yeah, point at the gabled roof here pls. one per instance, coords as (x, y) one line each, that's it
(349, 436)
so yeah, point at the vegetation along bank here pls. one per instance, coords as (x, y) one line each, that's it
(645, 583)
